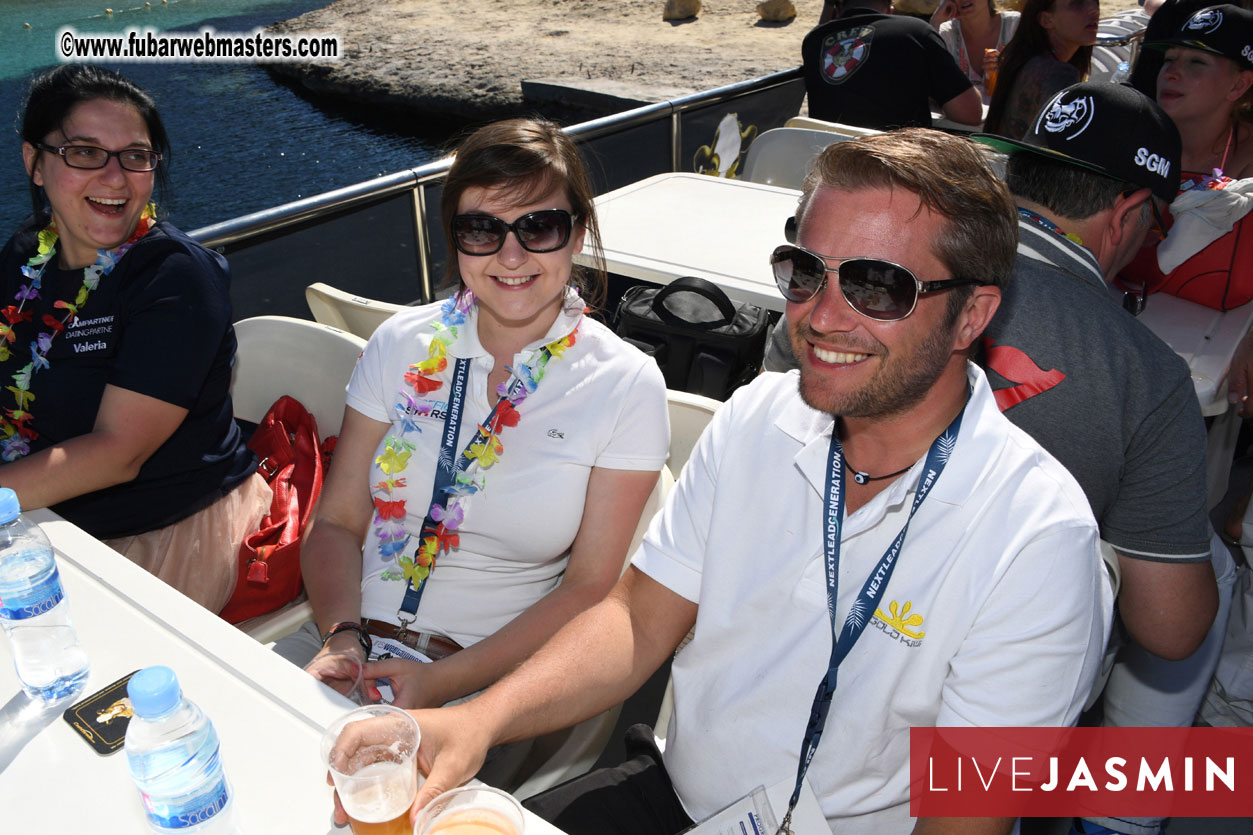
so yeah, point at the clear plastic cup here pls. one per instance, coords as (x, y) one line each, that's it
(346, 668)
(371, 753)
(471, 810)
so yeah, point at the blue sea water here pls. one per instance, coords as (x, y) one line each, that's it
(241, 140)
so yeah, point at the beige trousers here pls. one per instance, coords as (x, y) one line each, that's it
(199, 555)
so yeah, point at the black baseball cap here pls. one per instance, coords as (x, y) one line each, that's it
(1111, 129)
(1223, 30)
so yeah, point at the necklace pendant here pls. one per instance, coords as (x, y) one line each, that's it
(861, 478)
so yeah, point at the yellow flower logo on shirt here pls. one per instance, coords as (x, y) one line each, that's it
(901, 620)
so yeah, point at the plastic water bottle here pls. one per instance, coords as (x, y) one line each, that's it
(50, 661)
(173, 755)
(1122, 74)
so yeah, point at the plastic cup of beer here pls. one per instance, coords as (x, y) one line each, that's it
(371, 754)
(471, 810)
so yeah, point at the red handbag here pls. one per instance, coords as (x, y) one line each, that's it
(286, 443)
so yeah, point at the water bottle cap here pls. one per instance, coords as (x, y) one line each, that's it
(153, 691)
(10, 508)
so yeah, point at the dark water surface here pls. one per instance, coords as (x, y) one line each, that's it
(241, 140)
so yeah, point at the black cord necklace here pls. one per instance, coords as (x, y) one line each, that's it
(863, 477)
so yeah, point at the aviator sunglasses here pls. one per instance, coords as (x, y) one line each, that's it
(876, 289)
(544, 231)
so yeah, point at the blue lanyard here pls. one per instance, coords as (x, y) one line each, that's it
(872, 590)
(1046, 224)
(447, 466)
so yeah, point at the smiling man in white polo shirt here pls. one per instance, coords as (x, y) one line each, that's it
(959, 560)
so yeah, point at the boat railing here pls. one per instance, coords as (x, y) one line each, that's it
(382, 238)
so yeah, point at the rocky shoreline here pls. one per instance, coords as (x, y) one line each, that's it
(466, 60)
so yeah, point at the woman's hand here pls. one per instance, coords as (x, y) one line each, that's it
(340, 668)
(1240, 376)
(991, 62)
(944, 12)
(415, 684)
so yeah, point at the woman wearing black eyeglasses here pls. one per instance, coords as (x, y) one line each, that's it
(116, 346)
(548, 432)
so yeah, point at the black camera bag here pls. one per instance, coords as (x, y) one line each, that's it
(703, 342)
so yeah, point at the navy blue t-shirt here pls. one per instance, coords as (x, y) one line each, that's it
(159, 324)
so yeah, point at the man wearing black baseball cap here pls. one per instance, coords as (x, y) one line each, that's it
(1108, 398)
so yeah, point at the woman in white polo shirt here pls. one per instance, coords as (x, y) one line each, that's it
(548, 430)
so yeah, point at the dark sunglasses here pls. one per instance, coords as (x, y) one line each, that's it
(544, 231)
(876, 289)
(91, 158)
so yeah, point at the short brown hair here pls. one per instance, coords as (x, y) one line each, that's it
(527, 159)
(951, 177)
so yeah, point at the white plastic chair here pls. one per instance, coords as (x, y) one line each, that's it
(833, 127)
(268, 628)
(1118, 39)
(355, 314)
(782, 156)
(280, 355)
(563, 755)
(689, 415)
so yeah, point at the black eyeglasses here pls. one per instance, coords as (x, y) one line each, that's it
(91, 157)
(1157, 226)
(876, 289)
(544, 231)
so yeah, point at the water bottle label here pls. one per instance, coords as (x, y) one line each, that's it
(35, 601)
(192, 812)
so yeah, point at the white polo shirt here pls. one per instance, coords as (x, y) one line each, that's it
(601, 405)
(997, 612)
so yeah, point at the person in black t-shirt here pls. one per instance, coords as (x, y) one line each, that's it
(116, 346)
(872, 69)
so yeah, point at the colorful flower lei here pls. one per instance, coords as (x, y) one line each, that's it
(14, 424)
(481, 453)
(1215, 181)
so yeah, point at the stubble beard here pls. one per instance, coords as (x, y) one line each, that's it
(899, 384)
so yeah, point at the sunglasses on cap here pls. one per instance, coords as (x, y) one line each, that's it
(876, 289)
(545, 231)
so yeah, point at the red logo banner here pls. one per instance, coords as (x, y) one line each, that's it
(1084, 772)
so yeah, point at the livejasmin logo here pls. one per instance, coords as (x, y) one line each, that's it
(1022, 774)
(1063, 772)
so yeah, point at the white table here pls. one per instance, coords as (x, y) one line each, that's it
(269, 714)
(672, 225)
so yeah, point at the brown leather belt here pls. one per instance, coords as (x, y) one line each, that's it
(434, 647)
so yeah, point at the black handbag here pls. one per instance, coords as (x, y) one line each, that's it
(703, 342)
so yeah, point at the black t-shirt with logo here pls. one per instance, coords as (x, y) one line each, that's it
(878, 71)
(159, 324)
